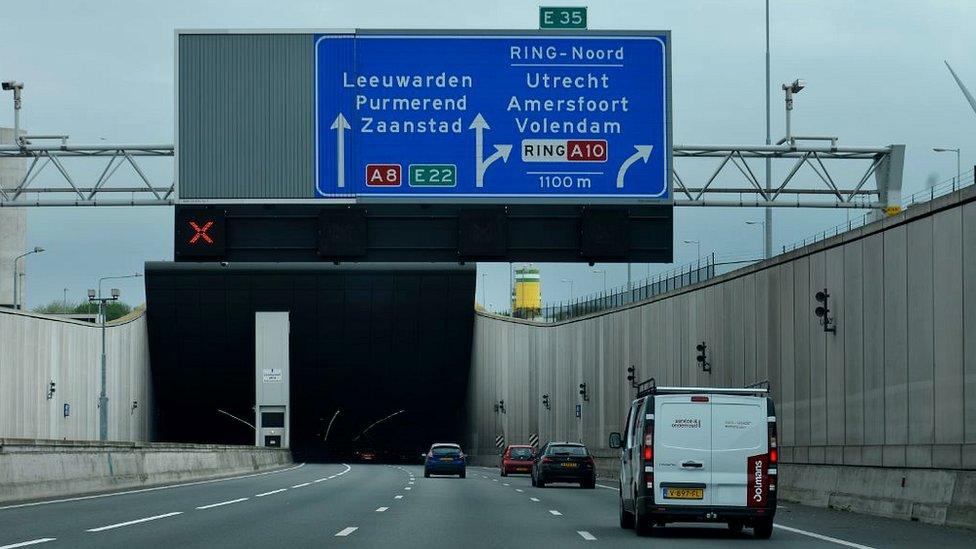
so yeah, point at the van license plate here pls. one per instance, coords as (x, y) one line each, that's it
(684, 493)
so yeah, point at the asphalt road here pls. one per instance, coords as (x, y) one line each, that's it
(391, 506)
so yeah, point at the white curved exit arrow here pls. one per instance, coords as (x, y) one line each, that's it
(643, 153)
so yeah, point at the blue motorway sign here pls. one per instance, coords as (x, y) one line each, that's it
(506, 117)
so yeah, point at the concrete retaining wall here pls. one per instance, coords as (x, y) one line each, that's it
(894, 387)
(34, 469)
(37, 349)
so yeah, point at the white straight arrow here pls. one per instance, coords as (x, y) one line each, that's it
(643, 153)
(479, 125)
(341, 125)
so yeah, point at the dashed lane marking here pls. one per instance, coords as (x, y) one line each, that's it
(506, 484)
(278, 491)
(586, 535)
(519, 490)
(346, 531)
(555, 513)
(398, 496)
(381, 509)
(26, 543)
(534, 499)
(302, 485)
(822, 537)
(131, 522)
(407, 488)
(222, 503)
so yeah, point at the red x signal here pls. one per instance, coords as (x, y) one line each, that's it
(201, 232)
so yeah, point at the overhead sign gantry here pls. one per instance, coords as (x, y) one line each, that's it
(523, 117)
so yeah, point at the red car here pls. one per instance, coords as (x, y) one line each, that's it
(517, 459)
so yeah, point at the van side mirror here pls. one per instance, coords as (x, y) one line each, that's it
(615, 441)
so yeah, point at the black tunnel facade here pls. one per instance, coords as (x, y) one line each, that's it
(367, 340)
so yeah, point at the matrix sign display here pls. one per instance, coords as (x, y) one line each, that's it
(536, 118)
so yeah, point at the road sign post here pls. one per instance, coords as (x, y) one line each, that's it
(512, 117)
(562, 18)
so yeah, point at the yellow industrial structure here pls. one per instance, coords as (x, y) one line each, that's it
(527, 293)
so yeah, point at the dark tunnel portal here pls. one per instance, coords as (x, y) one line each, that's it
(368, 340)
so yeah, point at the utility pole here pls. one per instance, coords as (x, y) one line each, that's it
(768, 226)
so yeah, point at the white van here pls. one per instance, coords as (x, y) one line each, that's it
(695, 454)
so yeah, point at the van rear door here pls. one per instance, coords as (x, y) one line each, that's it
(739, 440)
(682, 450)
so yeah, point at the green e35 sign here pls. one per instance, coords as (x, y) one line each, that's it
(562, 18)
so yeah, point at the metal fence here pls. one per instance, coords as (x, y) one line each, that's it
(709, 267)
(943, 188)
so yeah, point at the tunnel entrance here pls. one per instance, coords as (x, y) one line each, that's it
(372, 341)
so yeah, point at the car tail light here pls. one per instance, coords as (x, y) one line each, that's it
(589, 460)
(547, 459)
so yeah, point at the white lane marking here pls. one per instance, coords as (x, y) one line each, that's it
(822, 537)
(506, 484)
(271, 492)
(615, 489)
(407, 488)
(346, 531)
(131, 522)
(381, 509)
(222, 503)
(519, 490)
(534, 499)
(398, 497)
(555, 513)
(494, 480)
(26, 543)
(153, 489)
(302, 485)
(586, 535)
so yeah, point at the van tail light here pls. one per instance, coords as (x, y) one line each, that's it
(773, 453)
(648, 453)
(699, 398)
(649, 480)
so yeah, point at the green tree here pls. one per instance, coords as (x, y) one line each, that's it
(113, 309)
(56, 307)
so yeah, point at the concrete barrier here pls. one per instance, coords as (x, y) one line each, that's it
(35, 469)
(943, 497)
(936, 496)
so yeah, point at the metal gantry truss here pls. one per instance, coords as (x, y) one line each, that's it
(77, 189)
(798, 188)
(821, 189)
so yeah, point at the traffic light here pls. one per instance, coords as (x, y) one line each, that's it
(583, 392)
(823, 311)
(632, 376)
(50, 390)
(545, 402)
(702, 357)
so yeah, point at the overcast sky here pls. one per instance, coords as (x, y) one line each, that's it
(104, 70)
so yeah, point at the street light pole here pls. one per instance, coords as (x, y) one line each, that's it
(36, 250)
(572, 294)
(102, 396)
(768, 232)
(958, 164)
(484, 291)
(604, 273)
(697, 247)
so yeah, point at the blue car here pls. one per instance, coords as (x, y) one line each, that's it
(444, 459)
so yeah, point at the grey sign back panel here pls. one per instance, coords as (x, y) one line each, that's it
(224, 151)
